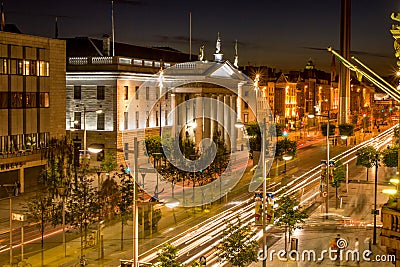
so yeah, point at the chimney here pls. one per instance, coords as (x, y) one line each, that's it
(106, 45)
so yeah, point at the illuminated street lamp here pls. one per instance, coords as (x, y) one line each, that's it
(389, 191)
(327, 157)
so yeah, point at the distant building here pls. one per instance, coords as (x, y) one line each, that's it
(32, 104)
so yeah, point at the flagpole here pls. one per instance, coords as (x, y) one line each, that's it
(3, 20)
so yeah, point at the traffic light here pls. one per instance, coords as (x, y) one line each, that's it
(285, 132)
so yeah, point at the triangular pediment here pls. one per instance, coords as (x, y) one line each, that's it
(225, 71)
(282, 79)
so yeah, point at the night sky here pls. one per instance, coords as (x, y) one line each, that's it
(274, 33)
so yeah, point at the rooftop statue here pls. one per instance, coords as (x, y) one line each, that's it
(201, 55)
(218, 45)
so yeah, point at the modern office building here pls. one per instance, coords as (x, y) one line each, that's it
(32, 104)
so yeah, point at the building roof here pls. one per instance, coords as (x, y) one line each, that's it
(89, 47)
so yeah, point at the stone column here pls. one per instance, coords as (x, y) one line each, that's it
(213, 109)
(233, 128)
(198, 114)
(227, 121)
(239, 141)
(207, 108)
(174, 115)
(220, 114)
(21, 173)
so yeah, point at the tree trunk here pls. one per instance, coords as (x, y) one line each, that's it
(286, 241)
(336, 189)
(122, 233)
(367, 174)
(42, 241)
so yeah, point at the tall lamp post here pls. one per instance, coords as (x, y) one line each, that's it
(375, 195)
(327, 158)
(62, 191)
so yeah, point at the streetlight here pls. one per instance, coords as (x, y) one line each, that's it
(327, 157)
(62, 191)
(375, 195)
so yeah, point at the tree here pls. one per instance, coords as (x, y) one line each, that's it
(346, 129)
(39, 209)
(332, 128)
(366, 157)
(390, 156)
(82, 206)
(237, 244)
(286, 146)
(167, 256)
(290, 214)
(339, 176)
(109, 164)
(125, 201)
(254, 133)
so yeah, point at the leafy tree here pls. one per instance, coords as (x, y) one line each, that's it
(366, 157)
(254, 132)
(167, 256)
(109, 164)
(346, 129)
(339, 176)
(390, 156)
(290, 214)
(82, 206)
(39, 209)
(109, 197)
(332, 128)
(354, 119)
(285, 146)
(125, 201)
(237, 244)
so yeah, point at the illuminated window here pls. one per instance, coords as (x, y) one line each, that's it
(77, 120)
(44, 100)
(26, 70)
(245, 118)
(4, 66)
(126, 92)
(147, 119)
(20, 67)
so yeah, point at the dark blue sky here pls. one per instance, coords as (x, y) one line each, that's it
(273, 33)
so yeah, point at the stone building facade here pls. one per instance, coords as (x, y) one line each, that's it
(32, 104)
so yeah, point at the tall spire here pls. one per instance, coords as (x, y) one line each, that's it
(236, 59)
(56, 30)
(3, 20)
